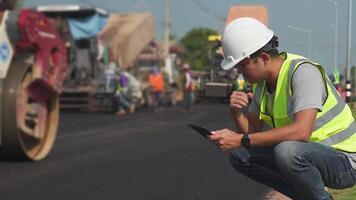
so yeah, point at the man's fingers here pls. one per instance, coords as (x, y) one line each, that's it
(237, 93)
(239, 101)
(238, 104)
(244, 98)
(214, 137)
(239, 97)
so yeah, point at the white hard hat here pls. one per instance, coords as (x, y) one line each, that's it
(241, 38)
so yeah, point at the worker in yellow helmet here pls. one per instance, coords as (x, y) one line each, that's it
(298, 135)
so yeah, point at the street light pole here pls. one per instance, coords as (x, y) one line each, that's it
(309, 37)
(167, 32)
(167, 26)
(336, 36)
(335, 30)
(348, 57)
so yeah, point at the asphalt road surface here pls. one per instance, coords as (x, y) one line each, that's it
(145, 155)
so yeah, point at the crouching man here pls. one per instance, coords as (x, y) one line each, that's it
(298, 136)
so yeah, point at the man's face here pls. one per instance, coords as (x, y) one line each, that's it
(252, 69)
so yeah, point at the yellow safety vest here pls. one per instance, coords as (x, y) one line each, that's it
(334, 125)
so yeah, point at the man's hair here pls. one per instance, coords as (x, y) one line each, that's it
(270, 48)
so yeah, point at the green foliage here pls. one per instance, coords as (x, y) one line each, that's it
(345, 194)
(172, 37)
(353, 112)
(198, 48)
(18, 3)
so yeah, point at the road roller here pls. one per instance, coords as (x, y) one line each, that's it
(33, 64)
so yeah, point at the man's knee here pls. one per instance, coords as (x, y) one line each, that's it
(290, 154)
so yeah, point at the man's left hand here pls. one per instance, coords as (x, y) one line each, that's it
(226, 139)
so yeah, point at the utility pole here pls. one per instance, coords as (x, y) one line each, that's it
(348, 56)
(335, 37)
(167, 26)
(167, 32)
(334, 3)
(349, 41)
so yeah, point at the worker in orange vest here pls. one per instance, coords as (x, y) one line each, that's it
(157, 87)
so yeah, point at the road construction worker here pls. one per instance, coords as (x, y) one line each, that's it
(124, 101)
(188, 87)
(298, 135)
(157, 87)
(110, 74)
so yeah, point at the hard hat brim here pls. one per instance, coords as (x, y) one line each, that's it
(226, 65)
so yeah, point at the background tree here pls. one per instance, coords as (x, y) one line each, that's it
(18, 3)
(172, 37)
(10, 4)
(198, 48)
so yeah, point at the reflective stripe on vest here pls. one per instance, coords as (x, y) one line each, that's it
(334, 125)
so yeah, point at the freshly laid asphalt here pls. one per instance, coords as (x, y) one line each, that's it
(145, 155)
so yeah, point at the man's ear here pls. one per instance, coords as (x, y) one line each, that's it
(265, 57)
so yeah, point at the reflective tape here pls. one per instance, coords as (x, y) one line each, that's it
(340, 136)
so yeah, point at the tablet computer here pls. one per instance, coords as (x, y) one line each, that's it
(202, 131)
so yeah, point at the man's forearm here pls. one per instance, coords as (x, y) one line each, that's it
(300, 130)
(241, 122)
(271, 137)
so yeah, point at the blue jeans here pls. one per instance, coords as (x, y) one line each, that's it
(123, 102)
(188, 99)
(157, 100)
(299, 170)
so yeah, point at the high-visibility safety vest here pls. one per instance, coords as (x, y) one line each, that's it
(334, 125)
(156, 81)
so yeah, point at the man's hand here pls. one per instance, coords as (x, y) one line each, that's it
(239, 100)
(226, 139)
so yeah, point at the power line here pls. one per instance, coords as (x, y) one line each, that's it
(156, 3)
(209, 11)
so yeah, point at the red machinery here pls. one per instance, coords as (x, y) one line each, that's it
(33, 64)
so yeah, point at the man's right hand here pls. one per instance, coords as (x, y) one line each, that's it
(239, 100)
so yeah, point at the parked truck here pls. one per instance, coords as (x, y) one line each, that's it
(33, 65)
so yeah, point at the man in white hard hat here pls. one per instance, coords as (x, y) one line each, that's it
(298, 135)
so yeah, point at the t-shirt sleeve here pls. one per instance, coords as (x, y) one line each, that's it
(308, 88)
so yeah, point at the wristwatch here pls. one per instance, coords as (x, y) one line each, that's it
(245, 141)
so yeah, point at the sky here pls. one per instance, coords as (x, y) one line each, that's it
(318, 16)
